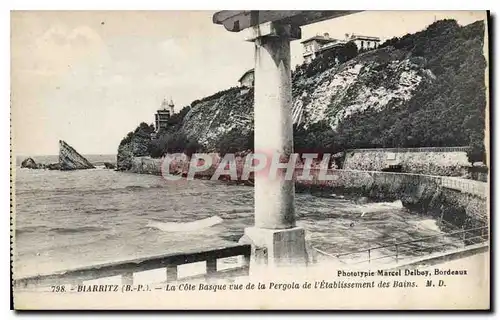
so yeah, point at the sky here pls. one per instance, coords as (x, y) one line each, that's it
(90, 77)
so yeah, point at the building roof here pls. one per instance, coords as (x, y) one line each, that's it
(245, 74)
(319, 39)
(325, 47)
(356, 36)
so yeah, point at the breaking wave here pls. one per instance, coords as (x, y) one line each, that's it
(380, 207)
(185, 226)
(428, 224)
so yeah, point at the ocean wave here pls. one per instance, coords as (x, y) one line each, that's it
(233, 214)
(31, 229)
(428, 225)
(378, 207)
(186, 226)
(101, 210)
(65, 230)
(135, 187)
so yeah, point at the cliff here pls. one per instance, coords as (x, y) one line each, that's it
(211, 118)
(367, 82)
(135, 144)
(422, 90)
(69, 159)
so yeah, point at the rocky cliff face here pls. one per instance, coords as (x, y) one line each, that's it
(422, 90)
(137, 147)
(369, 81)
(425, 89)
(69, 159)
(135, 144)
(214, 116)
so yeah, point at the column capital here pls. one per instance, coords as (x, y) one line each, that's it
(272, 29)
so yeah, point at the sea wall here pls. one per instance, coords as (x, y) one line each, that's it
(146, 165)
(445, 161)
(462, 202)
(178, 164)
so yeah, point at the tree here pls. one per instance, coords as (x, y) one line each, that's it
(173, 143)
(348, 51)
(235, 141)
(317, 138)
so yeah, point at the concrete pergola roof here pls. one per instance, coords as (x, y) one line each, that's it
(235, 21)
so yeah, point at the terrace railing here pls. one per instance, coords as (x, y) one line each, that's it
(467, 236)
(126, 269)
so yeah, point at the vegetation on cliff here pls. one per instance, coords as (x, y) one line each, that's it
(421, 90)
(135, 144)
(447, 111)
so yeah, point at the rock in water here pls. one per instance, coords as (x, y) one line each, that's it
(108, 165)
(69, 159)
(29, 163)
(53, 166)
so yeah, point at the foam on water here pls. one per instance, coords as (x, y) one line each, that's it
(380, 207)
(428, 224)
(185, 226)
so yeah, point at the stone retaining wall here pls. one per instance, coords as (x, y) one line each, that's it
(446, 161)
(459, 201)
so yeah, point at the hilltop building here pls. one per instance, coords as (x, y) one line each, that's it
(315, 45)
(363, 42)
(163, 114)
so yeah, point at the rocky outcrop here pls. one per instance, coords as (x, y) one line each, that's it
(137, 147)
(53, 166)
(135, 144)
(69, 159)
(109, 165)
(30, 164)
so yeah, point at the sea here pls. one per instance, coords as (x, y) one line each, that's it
(69, 219)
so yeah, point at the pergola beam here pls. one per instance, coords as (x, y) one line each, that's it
(235, 21)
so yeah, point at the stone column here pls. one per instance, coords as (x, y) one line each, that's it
(275, 234)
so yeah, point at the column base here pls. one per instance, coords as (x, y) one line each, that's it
(272, 248)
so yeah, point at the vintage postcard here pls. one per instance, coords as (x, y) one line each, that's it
(250, 160)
